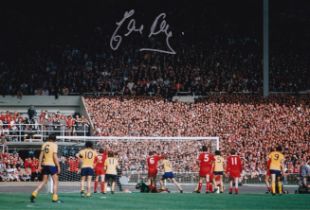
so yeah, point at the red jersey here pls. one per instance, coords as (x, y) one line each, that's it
(34, 165)
(206, 160)
(268, 167)
(268, 164)
(99, 161)
(234, 164)
(70, 122)
(27, 163)
(8, 118)
(73, 165)
(152, 162)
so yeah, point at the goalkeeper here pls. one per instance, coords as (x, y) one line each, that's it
(305, 176)
(144, 188)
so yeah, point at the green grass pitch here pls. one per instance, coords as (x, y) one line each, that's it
(139, 201)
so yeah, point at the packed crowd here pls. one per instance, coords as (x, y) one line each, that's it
(250, 124)
(289, 48)
(14, 168)
(211, 55)
(15, 125)
(218, 66)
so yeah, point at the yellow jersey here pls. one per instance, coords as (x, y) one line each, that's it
(48, 149)
(87, 156)
(219, 163)
(110, 165)
(167, 166)
(276, 159)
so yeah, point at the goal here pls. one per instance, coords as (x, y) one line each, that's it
(133, 151)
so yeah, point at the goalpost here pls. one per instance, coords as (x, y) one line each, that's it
(132, 152)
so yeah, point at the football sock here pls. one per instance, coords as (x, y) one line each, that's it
(210, 186)
(199, 187)
(236, 190)
(273, 187)
(55, 197)
(230, 189)
(280, 187)
(95, 186)
(102, 186)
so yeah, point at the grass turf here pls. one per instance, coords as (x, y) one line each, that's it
(20, 201)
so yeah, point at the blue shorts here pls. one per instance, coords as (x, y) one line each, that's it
(168, 175)
(87, 172)
(276, 172)
(49, 170)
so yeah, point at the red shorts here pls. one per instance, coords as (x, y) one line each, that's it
(152, 173)
(204, 173)
(234, 174)
(268, 173)
(99, 171)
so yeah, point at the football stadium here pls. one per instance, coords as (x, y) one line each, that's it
(114, 104)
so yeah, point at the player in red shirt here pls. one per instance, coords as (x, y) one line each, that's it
(73, 165)
(205, 161)
(70, 124)
(152, 164)
(268, 176)
(27, 164)
(233, 170)
(34, 164)
(99, 169)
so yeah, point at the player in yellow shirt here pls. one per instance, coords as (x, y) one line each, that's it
(276, 167)
(48, 165)
(87, 157)
(110, 166)
(218, 170)
(168, 175)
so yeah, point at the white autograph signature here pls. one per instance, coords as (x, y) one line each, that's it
(155, 29)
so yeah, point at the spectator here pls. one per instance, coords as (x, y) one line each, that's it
(249, 123)
(305, 173)
(31, 113)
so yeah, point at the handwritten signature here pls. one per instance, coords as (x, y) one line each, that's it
(159, 26)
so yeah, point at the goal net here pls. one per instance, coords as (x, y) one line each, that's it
(132, 153)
